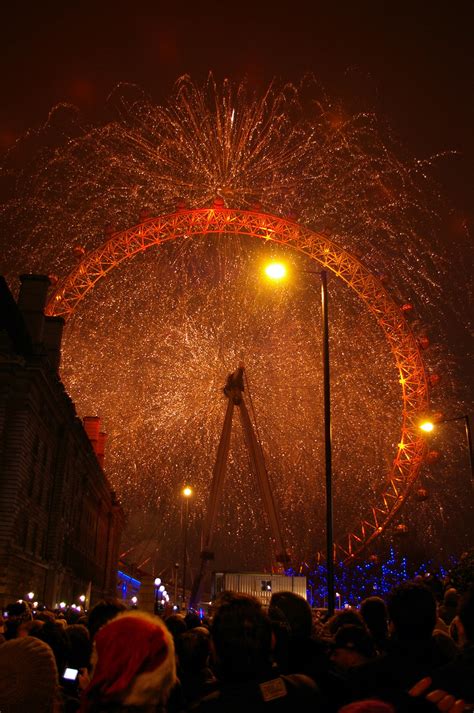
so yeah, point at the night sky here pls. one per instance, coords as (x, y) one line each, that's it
(411, 61)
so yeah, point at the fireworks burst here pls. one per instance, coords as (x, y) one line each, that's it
(150, 348)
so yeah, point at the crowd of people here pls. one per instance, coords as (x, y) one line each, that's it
(409, 653)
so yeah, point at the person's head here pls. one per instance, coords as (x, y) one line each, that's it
(342, 618)
(17, 613)
(103, 612)
(29, 628)
(193, 648)
(19, 610)
(176, 625)
(412, 611)
(241, 637)
(133, 663)
(45, 615)
(466, 617)
(192, 620)
(373, 611)
(294, 610)
(451, 598)
(352, 646)
(29, 677)
(79, 646)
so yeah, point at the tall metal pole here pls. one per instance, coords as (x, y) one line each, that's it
(327, 447)
(467, 426)
(176, 568)
(185, 547)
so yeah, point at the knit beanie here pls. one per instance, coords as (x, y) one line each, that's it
(29, 677)
(134, 662)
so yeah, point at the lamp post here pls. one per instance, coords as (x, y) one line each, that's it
(186, 492)
(327, 446)
(277, 271)
(428, 426)
(157, 583)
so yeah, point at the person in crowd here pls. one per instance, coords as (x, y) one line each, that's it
(448, 609)
(412, 653)
(17, 613)
(457, 677)
(101, 613)
(133, 666)
(353, 646)
(80, 648)
(296, 651)
(29, 628)
(343, 618)
(176, 625)
(54, 635)
(373, 611)
(29, 677)
(241, 635)
(192, 620)
(193, 650)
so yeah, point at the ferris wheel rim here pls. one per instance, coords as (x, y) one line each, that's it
(122, 245)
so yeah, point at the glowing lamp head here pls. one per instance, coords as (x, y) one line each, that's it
(427, 426)
(31, 595)
(187, 491)
(157, 582)
(134, 600)
(276, 271)
(82, 598)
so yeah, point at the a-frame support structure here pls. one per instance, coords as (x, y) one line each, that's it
(234, 391)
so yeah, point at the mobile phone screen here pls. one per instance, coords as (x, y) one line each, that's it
(70, 674)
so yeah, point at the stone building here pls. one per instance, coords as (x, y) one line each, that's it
(60, 522)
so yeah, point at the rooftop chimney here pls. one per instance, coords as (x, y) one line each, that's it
(32, 301)
(53, 332)
(101, 448)
(92, 428)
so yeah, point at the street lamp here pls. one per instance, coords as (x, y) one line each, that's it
(186, 492)
(429, 426)
(277, 271)
(160, 591)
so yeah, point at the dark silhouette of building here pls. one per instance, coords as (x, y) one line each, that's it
(60, 522)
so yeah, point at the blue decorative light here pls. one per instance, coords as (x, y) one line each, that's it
(127, 578)
(355, 582)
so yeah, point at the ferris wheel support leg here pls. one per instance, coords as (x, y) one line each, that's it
(258, 462)
(215, 496)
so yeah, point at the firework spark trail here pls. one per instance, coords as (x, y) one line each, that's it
(149, 349)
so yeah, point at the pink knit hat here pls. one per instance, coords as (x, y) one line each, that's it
(134, 662)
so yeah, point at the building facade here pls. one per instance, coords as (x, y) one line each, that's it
(60, 522)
